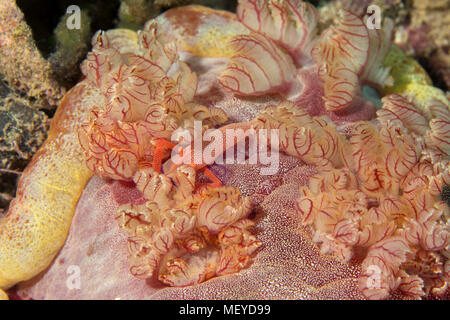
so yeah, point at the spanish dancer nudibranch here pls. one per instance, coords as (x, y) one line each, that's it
(354, 210)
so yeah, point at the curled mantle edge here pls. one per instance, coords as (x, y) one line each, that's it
(39, 218)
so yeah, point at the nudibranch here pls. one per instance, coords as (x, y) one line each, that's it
(37, 223)
(354, 211)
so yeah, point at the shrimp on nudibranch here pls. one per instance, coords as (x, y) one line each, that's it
(39, 218)
(38, 221)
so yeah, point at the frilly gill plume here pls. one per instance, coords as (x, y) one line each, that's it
(141, 103)
(181, 236)
(386, 200)
(377, 189)
(348, 54)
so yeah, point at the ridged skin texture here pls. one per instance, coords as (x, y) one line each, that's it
(38, 221)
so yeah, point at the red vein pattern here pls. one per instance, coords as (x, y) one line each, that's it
(184, 238)
(341, 53)
(291, 23)
(258, 67)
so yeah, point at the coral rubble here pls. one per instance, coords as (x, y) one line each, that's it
(428, 35)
